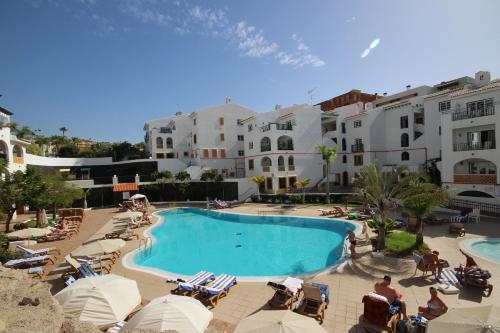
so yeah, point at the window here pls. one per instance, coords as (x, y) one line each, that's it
(241, 153)
(266, 164)
(281, 163)
(343, 128)
(160, 155)
(344, 145)
(214, 153)
(194, 138)
(282, 183)
(292, 181)
(250, 164)
(222, 153)
(241, 138)
(186, 154)
(443, 106)
(159, 143)
(291, 161)
(222, 137)
(250, 127)
(344, 159)
(478, 107)
(403, 121)
(405, 156)
(439, 130)
(205, 153)
(265, 144)
(405, 140)
(170, 143)
(165, 130)
(194, 121)
(357, 123)
(358, 159)
(250, 145)
(285, 143)
(239, 122)
(221, 121)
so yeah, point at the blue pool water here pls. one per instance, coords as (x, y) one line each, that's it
(487, 248)
(191, 239)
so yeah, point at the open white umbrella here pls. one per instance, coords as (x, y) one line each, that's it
(480, 319)
(127, 215)
(100, 247)
(278, 321)
(137, 196)
(177, 313)
(29, 233)
(103, 300)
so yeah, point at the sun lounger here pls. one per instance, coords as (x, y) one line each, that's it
(189, 287)
(34, 253)
(35, 272)
(449, 283)
(53, 237)
(77, 271)
(217, 288)
(31, 261)
(286, 293)
(315, 301)
(125, 235)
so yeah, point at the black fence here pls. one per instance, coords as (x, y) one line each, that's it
(486, 208)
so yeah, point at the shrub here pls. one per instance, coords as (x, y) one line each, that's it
(254, 198)
(388, 225)
(281, 197)
(403, 243)
(295, 198)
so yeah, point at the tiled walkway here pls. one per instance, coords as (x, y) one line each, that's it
(347, 286)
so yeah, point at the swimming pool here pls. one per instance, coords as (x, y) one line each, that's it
(486, 248)
(190, 239)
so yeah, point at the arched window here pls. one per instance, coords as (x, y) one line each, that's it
(285, 143)
(170, 143)
(344, 158)
(159, 143)
(405, 156)
(266, 163)
(265, 144)
(281, 163)
(4, 151)
(290, 161)
(344, 146)
(405, 140)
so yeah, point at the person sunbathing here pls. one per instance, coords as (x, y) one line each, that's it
(435, 306)
(384, 288)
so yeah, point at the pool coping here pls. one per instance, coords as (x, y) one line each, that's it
(466, 243)
(128, 262)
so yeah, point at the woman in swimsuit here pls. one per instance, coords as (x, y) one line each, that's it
(435, 306)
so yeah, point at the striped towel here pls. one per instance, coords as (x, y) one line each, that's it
(29, 260)
(449, 277)
(221, 283)
(198, 280)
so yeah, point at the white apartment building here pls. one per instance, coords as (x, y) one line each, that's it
(11, 148)
(280, 145)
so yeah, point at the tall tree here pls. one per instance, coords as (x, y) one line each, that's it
(12, 195)
(303, 184)
(421, 198)
(63, 130)
(382, 190)
(258, 180)
(329, 155)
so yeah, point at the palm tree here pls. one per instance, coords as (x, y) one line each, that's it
(258, 180)
(329, 155)
(302, 184)
(422, 197)
(63, 130)
(382, 190)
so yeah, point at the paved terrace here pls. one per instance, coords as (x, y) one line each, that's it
(348, 285)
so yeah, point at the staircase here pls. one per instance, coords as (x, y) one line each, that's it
(194, 171)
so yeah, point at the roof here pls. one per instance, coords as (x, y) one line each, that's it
(126, 187)
(7, 112)
(442, 92)
(492, 85)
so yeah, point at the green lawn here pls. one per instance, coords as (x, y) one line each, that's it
(403, 243)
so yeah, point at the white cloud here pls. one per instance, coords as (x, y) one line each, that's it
(372, 46)
(301, 57)
(252, 42)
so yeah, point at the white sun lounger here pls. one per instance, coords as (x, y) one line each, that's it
(190, 285)
(28, 261)
(39, 252)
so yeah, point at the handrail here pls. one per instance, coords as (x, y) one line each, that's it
(145, 241)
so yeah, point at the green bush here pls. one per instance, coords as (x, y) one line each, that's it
(403, 243)
(254, 198)
(388, 225)
(295, 198)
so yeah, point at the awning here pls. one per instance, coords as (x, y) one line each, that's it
(126, 187)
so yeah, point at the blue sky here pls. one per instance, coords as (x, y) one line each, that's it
(104, 67)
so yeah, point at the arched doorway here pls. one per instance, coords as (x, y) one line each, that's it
(4, 150)
(18, 154)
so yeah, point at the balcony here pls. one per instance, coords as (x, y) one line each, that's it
(279, 127)
(285, 146)
(475, 179)
(474, 146)
(357, 148)
(266, 169)
(461, 115)
(291, 168)
(281, 168)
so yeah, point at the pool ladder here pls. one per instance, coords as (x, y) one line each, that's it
(145, 246)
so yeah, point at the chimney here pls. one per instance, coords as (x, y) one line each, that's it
(385, 94)
(482, 78)
(178, 113)
(228, 100)
(408, 87)
(277, 107)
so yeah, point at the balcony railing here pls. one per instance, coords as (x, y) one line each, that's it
(285, 146)
(266, 169)
(474, 146)
(460, 115)
(291, 168)
(357, 148)
(281, 168)
(475, 179)
(279, 127)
